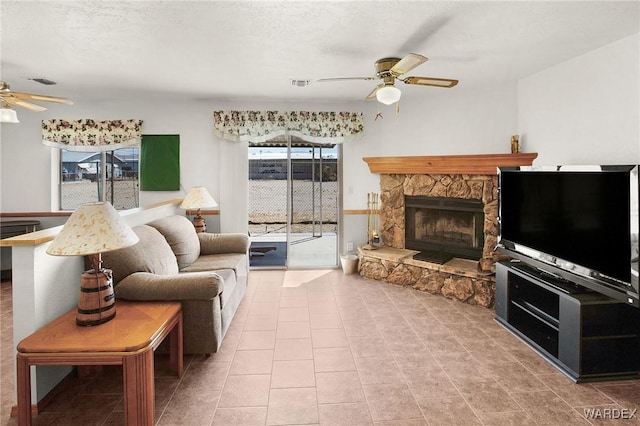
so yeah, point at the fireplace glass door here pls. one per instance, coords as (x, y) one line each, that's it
(444, 228)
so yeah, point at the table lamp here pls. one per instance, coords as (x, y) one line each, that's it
(198, 198)
(90, 230)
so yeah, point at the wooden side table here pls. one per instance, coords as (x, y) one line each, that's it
(128, 340)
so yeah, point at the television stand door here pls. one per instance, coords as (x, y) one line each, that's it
(584, 334)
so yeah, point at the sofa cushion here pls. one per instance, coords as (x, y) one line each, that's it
(213, 262)
(229, 278)
(147, 286)
(223, 243)
(181, 236)
(151, 254)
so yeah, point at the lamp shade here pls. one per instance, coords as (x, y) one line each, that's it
(388, 95)
(198, 198)
(92, 228)
(7, 115)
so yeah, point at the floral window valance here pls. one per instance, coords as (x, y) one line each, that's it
(91, 135)
(260, 126)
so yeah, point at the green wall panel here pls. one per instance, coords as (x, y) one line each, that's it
(160, 163)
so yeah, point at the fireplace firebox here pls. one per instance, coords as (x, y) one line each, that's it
(442, 228)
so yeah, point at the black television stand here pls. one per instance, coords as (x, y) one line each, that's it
(550, 278)
(586, 335)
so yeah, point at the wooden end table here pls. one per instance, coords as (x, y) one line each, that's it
(128, 340)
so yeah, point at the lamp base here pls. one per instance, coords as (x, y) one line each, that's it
(97, 303)
(198, 223)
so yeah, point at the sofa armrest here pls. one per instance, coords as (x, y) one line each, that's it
(223, 243)
(187, 286)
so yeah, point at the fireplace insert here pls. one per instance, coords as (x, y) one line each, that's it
(442, 228)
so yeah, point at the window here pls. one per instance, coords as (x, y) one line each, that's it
(80, 181)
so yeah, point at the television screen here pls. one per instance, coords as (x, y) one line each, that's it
(582, 217)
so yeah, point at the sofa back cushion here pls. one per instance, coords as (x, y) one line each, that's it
(151, 254)
(181, 236)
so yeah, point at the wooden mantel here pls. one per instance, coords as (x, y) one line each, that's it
(479, 164)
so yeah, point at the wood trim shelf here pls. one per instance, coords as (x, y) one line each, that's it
(477, 164)
(203, 212)
(359, 212)
(48, 234)
(37, 214)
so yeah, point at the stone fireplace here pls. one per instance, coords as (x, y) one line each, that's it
(439, 224)
(447, 202)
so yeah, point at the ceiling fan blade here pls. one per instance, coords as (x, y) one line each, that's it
(324, 80)
(431, 81)
(408, 63)
(34, 97)
(14, 101)
(374, 91)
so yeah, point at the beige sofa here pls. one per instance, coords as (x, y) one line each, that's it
(206, 272)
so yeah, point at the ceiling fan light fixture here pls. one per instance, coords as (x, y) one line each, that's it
(7, 115)
(388, 95)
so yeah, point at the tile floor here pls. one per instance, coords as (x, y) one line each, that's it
(321, 347)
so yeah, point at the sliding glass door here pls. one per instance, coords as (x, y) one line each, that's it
(314, 206)
(268, 205)
(293, 204)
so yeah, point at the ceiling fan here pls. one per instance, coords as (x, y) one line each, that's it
(9, 98)
(391, 69)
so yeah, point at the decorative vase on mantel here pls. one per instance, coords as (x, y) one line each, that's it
(515, 144)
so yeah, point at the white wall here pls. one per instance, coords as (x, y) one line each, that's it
(44, 288)
(586, 110)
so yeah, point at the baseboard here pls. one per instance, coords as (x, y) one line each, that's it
(36, 409)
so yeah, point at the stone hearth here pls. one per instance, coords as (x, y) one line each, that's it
(457, 279)
(471, 177)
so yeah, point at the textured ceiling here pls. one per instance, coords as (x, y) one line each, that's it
(249, 51)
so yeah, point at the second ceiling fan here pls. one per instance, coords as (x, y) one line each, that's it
(9, 98)
(22, 99)
(391, 69)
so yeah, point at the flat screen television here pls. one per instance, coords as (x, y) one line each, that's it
(575, 223)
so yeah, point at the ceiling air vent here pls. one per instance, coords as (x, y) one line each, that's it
(300, 83)
(45, 81)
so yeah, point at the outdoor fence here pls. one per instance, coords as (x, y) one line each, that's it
(268, 206)
(122, 193)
